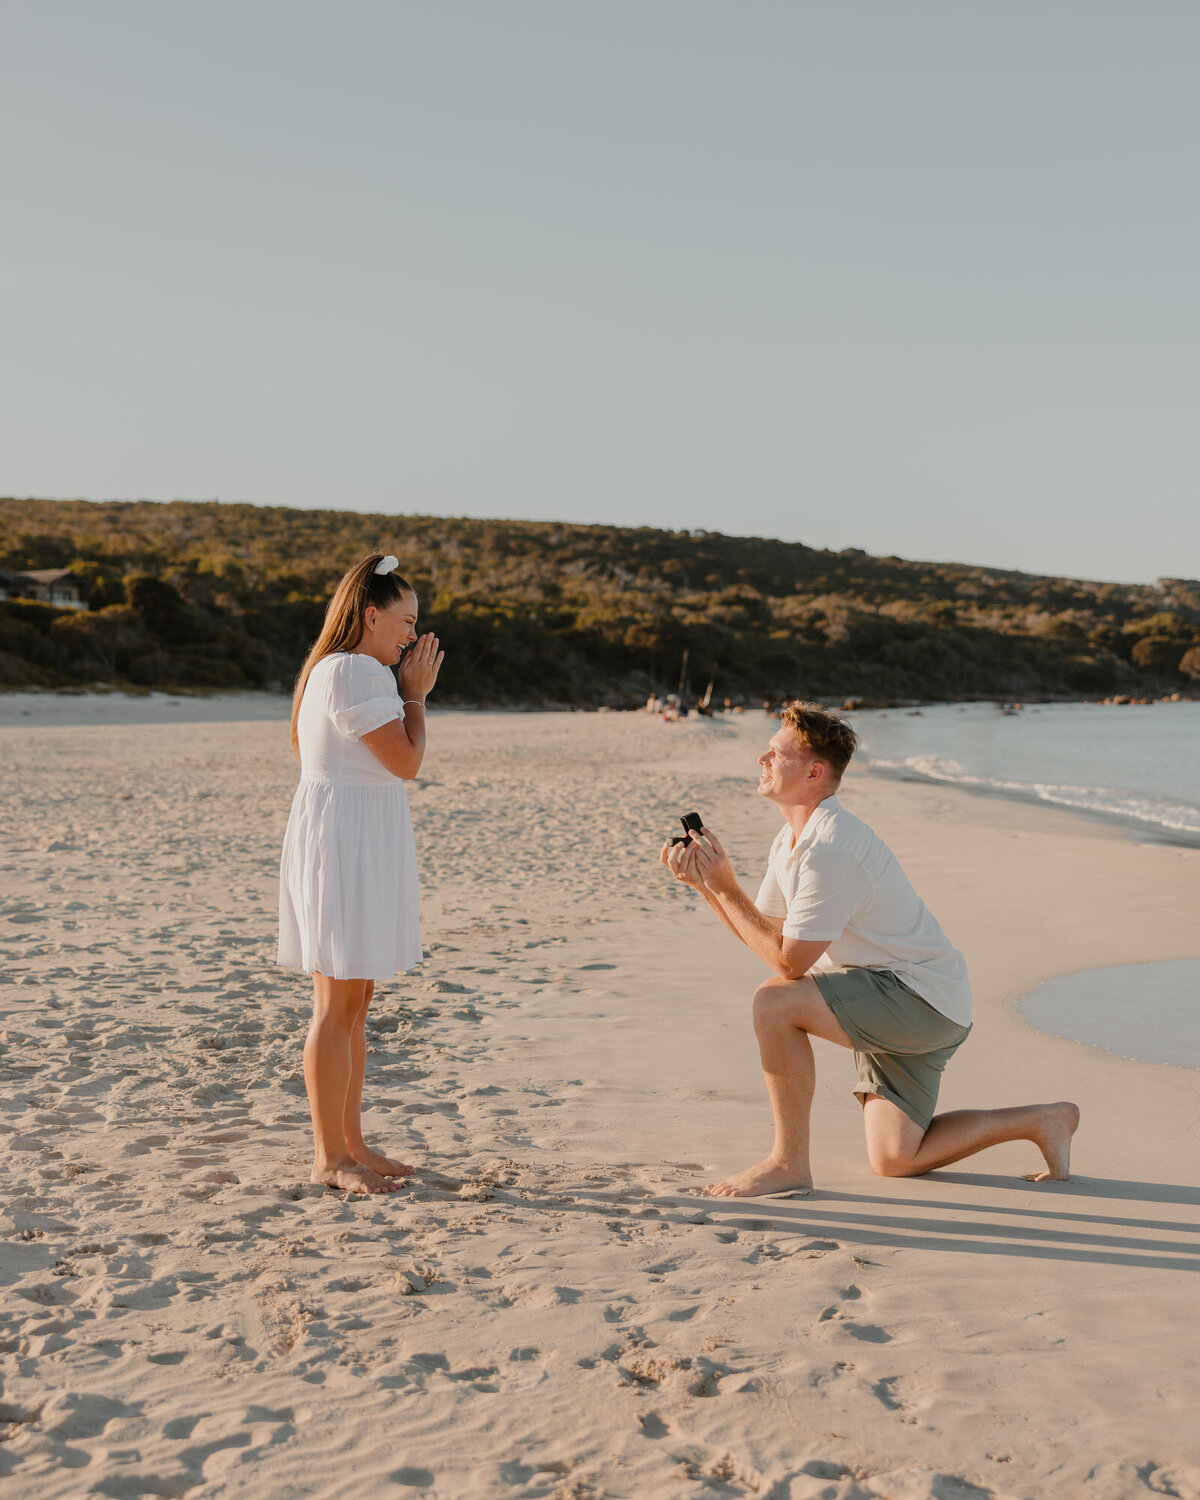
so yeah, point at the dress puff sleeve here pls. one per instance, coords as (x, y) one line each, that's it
(362, 696)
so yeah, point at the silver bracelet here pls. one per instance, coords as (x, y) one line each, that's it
(420, 702)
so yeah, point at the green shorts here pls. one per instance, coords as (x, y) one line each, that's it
(901, 1044)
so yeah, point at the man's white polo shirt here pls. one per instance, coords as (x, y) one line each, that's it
(839, 882)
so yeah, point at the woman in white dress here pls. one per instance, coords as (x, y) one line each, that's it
(348, 874)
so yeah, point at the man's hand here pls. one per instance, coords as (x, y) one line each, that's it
(704, 865)
(711, 862)
(680, 859)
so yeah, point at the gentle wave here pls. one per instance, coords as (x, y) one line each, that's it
(1161, 812)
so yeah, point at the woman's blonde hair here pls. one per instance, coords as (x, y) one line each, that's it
(344, 618)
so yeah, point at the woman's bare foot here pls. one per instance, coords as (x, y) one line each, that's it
(352, 1177)
(386, 1166)
(765, 1178)
(1053, 1140)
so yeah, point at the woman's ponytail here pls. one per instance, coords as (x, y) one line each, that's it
(345, 618)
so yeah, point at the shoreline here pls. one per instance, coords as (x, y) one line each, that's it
(1070, 755)
(836, 702)
(1126, 824)
(67, 709)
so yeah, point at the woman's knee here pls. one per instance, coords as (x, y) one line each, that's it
(338, 1004)
(334, 1018)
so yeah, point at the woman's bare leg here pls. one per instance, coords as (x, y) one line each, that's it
(386, 1166)
(328, 1069)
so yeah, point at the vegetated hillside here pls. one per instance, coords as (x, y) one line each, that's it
(207, 595)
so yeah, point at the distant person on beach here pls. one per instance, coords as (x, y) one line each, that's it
(859, 960)
(348, 874)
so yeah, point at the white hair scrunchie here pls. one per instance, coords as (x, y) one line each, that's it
(389, 564)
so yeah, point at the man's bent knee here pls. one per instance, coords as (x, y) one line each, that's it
(893, 1138)
(796, 1005)
(772, 999)
(892, 1160)
(889, 1164)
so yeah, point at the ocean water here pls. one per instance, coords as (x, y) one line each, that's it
(1136, 765)
(1139, 765)
(1147, 1011)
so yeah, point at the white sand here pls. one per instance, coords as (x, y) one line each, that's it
(549, 1312)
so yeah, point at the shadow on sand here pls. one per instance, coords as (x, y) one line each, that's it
(1055, 1232)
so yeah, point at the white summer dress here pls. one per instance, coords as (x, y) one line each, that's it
(348, 873)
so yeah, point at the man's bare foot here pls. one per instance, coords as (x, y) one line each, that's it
(352, 1177)
(1053, 1140)
(756, 1182)
(386, 1166)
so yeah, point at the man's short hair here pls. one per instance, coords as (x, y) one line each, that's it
(822, 734)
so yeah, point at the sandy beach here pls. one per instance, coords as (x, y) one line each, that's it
(550, 1309)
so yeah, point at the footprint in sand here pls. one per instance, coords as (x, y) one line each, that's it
(868, 1333)
(661, 1269)
(74, 1415)
(478, 1376)
(886, 1393)
(819, 1378)
(143, 1145)
(768, 1252)
(835, 1316)
(705, 1380)
(814, 1249)
(13, 1417)
(412, 1477)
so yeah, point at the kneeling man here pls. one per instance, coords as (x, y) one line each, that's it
(860, 961)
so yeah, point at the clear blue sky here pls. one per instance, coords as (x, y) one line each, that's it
(916, 276)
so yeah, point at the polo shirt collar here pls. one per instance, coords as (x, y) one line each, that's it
(815, 819)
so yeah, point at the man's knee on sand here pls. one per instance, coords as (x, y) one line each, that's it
(893, 1139)
(885, 1163)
